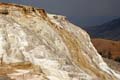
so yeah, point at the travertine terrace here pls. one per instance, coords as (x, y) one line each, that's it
(35, 45)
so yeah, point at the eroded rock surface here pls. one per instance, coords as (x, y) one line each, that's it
(55, 48)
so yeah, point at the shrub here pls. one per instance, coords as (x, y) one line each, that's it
(117, 59)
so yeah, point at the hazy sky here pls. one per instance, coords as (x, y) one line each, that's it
(80, 12)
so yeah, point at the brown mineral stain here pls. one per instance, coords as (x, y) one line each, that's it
(72, 42)
(77, 57)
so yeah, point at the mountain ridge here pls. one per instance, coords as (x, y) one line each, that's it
(109, 30)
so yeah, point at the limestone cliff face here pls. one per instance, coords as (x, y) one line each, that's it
(54, 48)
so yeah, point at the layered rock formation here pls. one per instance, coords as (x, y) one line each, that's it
(35, 45)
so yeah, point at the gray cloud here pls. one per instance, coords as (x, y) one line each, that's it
(75, 8)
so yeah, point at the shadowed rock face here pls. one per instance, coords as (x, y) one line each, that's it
(55, 48)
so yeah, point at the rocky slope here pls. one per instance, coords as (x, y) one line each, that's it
(35, 45)
(113, 64)
(107, 48)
